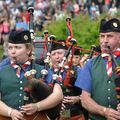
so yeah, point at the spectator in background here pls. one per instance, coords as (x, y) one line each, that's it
(94, 11)
(113, 10)
(107, 4)
(76, 8)
(6, 31)
(14, 10)
(70, 9)
(25, 14)
(37, 13)
(12, 23)
(20, 24)
(100, 4)
(59, 14)
(88, 4)
(38, 24)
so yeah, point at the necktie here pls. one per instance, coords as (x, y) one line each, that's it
(109, 61)
(18, 68)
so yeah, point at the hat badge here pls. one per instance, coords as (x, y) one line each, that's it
(115, 24)
(25, 37)
(63, 44)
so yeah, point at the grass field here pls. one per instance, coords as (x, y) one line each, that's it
(1, 52)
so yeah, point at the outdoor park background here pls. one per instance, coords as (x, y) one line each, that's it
(85, 26)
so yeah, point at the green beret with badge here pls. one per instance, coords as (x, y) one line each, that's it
(112, 25)
(59, 44)
(19, 37)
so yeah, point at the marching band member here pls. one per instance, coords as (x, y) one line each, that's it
(57, 53)
(77, 57)
(97, 76)
(12, 80)
(72, 97)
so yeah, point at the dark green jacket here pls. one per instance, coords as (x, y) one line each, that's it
(103, 87)
(12, 87)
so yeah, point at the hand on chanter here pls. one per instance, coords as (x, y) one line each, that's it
(71, 99)
(29, 109)
(16, 115)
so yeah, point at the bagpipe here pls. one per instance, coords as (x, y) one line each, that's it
(56, 74)
(37, 88)
(32, 81)
(69, 42)
(92, 52)
(117, 71)
(44, 72)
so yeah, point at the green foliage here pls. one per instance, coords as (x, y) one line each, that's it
(85, 31)
(1, 52)
(118, 14)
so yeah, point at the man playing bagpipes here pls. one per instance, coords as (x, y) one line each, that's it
(71, 94)
(16, 102)
(99, 78)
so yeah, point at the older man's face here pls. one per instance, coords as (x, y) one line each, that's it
(57, 55)
(111, 39)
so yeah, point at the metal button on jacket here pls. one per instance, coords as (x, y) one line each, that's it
(21, 82)
(109, 82)
(108, 98)
(21, 88)
(108, 89)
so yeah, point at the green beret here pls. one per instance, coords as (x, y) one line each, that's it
(77, 52)
(60, 45)
(19, 37)
(112, 25)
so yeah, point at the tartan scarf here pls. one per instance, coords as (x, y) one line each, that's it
(18, 67)
(109, 61)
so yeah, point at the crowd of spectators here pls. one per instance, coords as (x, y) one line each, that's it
(14, 13)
